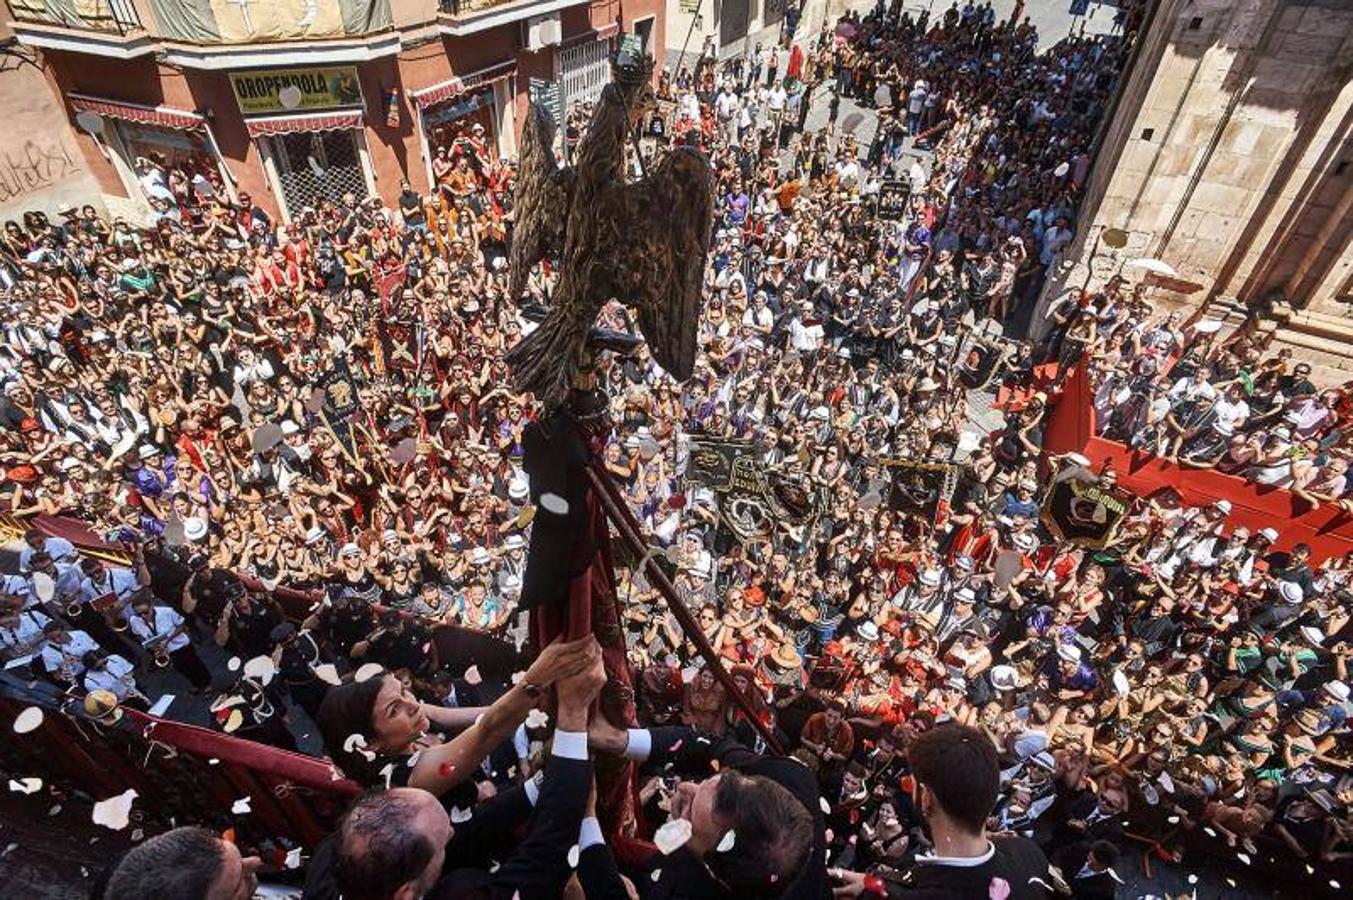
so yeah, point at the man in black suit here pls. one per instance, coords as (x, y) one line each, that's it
(769, 805)
(1088, 869)
(957, 779)
(401, 843)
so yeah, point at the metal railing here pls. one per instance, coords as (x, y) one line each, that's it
(108, 16)
(465, 7)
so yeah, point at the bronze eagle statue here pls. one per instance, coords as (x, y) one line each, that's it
(642, 243)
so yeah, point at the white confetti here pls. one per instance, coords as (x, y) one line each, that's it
(656, 876)
(137, 835)
(1193, 879)
(472, 676)
(573, 854)
(233, 664)
(537, 718)
(28, 720)
(293, 860)
(56, 808)
(356, 743)
(213, 761)
(261, 668)
(1173, 820)
(368, 670)
(242, 806)
(553, 503)
(327, 673)
(25, 785)
(459, 815)
(672, 835)
(729, 838)
(1310, 869)
(826, 807)
(517, 677)
(1210, 832)
(1231, 882)
(1243, 857)
(114, 812)
(1334, 884)
(494, 866)
(387, 772)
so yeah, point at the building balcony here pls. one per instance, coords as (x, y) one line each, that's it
(199, 34)
(118, 17)
(460, 17)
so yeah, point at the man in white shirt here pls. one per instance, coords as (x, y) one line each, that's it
(804, 337)
(758, 316)
(35, 540)
(915, 106)
(726, 107)
(63, 654)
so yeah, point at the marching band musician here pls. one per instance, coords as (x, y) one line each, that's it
(113, 673)
(163, 633)
(21, 630)
(63, 654)
(65, 577)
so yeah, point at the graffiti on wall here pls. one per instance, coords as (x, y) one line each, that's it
(35, 166)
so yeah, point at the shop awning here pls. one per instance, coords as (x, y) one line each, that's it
(604, 33)
(158, 116)
(323, 121)
(459, 84)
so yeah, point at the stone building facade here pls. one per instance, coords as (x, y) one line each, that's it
(1230, 158)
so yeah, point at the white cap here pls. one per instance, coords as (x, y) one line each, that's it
(518, 489)
(1079, 459)
(1023, 541)
(1223, 505)
(146, 451)
(869, 631)
(1290, 591)
(1069, 652)
(1337, 689)
(1270, 533)
(194, 528)
(350, 549)
(479, 556)
(514, 542)
(930, 577)
(314, 534)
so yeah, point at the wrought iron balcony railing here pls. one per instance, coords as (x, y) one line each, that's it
(109, 16)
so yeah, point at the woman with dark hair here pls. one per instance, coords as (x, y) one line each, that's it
(378, 733)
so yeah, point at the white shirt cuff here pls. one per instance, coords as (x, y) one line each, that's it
(570, 744)
(640, 745)
(532, 788)
(589, 833)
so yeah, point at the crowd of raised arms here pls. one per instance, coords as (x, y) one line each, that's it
(172, 385)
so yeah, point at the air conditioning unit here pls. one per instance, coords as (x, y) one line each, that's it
(543, 31)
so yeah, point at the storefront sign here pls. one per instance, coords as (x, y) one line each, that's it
(274, 91)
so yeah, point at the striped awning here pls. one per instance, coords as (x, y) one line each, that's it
(459, 84)
(324, 121)
(158, 116)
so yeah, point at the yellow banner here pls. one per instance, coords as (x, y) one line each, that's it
(243, 21)
(274, 91)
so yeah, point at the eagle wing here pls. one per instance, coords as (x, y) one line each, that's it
(670, 216)
(541, 199)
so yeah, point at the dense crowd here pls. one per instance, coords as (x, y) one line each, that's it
(319, 412)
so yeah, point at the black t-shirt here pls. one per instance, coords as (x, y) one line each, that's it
(411, 205)
(1016, 861)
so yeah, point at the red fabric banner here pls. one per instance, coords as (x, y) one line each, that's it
(1071, 427)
